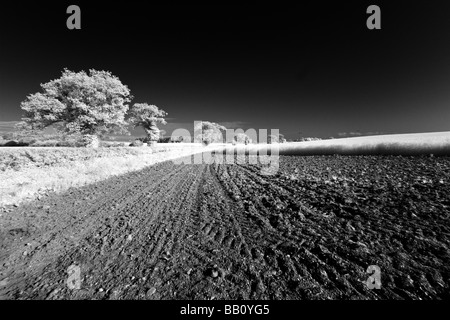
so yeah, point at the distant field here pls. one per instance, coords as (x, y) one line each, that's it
(437, 143)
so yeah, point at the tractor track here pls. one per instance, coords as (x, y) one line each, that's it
(227, 231)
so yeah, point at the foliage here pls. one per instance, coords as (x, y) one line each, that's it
(111, 144)
(308, 139)
(81, 103)
(89, 141)
(240, 138)
(46, 143)
(209, 132)
(27, 140)
(177, 139)
(164, 140)
(272, 138)
(9, 136)
(137, 143)
(13, 143)
(147, 116)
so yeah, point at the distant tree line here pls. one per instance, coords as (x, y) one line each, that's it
(96, 104)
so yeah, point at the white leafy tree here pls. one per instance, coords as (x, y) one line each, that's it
(148, 116)
(242, 138)
(91, 104)
(209, 132)
(272, 138)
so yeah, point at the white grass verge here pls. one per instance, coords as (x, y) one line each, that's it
(30, 182)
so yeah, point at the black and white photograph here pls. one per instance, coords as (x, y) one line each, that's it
(241, 152)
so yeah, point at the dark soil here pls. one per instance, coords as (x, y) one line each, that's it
(227, 232)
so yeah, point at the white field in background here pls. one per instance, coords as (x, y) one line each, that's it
(398, 144)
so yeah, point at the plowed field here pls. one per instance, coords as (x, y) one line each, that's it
(216, 231)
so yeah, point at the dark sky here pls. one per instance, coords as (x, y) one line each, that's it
(310, 70)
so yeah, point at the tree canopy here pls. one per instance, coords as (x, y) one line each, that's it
(242, 138)
(273, 138)
(147, 116)
(93, 103)
(209, 132)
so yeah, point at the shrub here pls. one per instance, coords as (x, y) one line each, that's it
(89, 141)
(68, 143)
(273, 139)
(176, 139)
(208, 132)
(242, 138)
(107, 144)
(15, 144)
(8, 136)
(165, 140)
(308, 139)
(46, 143)
(27, 141)
(137, 143)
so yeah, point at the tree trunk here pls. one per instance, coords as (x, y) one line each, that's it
(153, 132)
(90, 141)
